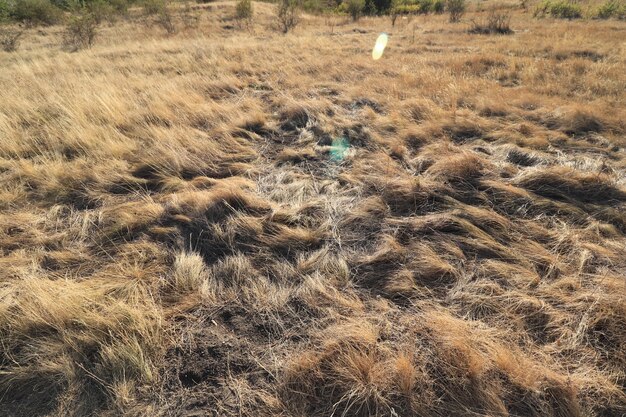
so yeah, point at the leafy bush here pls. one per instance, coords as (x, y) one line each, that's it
(559, 9)
(456, 8)
(496, 23)
(355, 8)
(243, 10)
(36, 12)
(80, 32)
(288, 14)
(5, 10)
(612, 8)
(10, 39)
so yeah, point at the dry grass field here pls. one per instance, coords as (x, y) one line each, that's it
(230, 221)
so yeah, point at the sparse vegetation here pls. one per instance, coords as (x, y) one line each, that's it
(612, 9)
(495, 23)
(215, 222)
(10, 39)
(562, 9)
(190, 18)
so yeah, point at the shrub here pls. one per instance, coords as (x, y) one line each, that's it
(10, 40)
(288, 14)
(36, 12)
(437, 6)
(369, 8)
(165, 20)
(103, 10)
(243, 10)
(120, 6)
(425, 6)
(560, 9)
(154, 7)
(496, 23)
(612, 8)
(80, 32)
(355, 8)
(456, 8)
(160, 9)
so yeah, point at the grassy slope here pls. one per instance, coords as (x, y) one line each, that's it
(178, 236)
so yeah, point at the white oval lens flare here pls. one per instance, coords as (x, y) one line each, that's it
(379, 48)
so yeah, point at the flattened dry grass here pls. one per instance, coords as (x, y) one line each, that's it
(235, 222)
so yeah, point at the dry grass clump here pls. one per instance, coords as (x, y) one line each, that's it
(217, 221)
(189, 272)
(72, 345)
(359, 368)
(523, 158)
(348, 375)
(494, 23)
(458, 168)
(565, 183)
(578, 122)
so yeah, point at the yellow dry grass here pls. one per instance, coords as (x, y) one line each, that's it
(230, 221)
